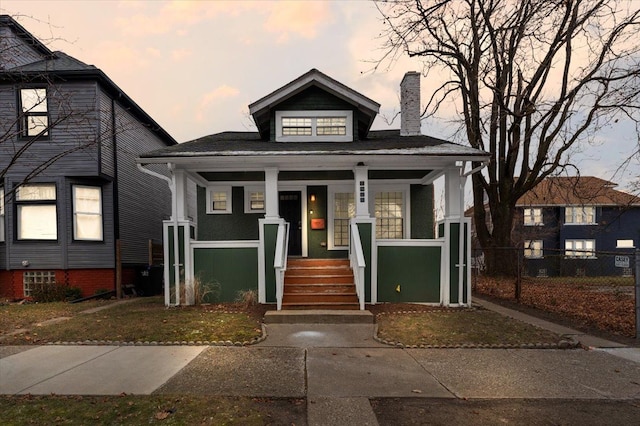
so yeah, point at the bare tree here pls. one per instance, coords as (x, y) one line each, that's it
(531, 81)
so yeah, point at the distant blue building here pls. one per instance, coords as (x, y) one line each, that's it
(577, 226)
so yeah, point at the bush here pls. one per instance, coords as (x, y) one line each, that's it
(103, 293)
(55, 293)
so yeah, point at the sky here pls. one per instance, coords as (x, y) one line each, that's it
(195, 66)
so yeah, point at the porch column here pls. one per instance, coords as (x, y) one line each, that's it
(271, 193)
(367, 230)
(456, 282)
(361, 191)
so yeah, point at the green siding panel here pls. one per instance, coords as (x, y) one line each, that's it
(454, 239)
(415, 269)
(270, 237)
(422, 216)
(226, 271)
(227, 227)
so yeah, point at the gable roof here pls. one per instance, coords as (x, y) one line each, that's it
(58, 66)
(577, 190)
(260, 109)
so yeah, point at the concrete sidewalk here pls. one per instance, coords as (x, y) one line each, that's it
(338, 368)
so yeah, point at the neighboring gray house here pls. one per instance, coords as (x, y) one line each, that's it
(315, 209)
(70, 190)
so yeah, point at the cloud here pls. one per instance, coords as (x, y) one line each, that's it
(218, 94)
(181, 54)
(301, 18)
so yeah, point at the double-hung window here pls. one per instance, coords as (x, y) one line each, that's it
(36, 212)
(219, 200)
(254, 199)
(35, 114)
(389, 213)
(580, 248)
(314, 126)
(580, 215)
(532, 216)
(87, 213)
(533, 249)
(1, 214)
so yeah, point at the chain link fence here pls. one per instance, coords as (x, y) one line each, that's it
(591, 289)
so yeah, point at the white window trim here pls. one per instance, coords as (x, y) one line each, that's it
(100, 213)
(573, 249)
(348, 137)
(219, 188)
(248, 189)
(332, 190)
(533, 217)
(572, 223)
(406, 208)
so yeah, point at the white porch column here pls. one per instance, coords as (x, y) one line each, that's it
(453, 204)
(361, 191)
(271, 193)
(181, 194)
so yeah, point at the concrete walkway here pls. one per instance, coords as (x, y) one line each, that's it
(338, 368)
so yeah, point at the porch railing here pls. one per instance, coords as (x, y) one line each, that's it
(356, 259)
(280, 260)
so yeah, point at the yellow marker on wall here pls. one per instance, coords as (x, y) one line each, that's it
(398, 288)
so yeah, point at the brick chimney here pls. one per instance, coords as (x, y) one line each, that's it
(410, 104)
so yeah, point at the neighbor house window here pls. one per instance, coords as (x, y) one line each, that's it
(219, 200)
(36, 212)
(533, 249)
(624, 244)
(580, 248)
(35, 115)
(343, 210)
(532, 217)
(254, 200)
(388, 208)
(1, 214)
(316, 126)
(580, 215)
(34, 280)
(87, 213)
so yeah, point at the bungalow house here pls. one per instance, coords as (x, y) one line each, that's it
(315, 209)
(577, 226)
(74, 208)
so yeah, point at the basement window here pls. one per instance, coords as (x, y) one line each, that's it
(36, 280)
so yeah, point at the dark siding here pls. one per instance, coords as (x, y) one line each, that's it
(144, 200)
(107, 165)
(314, 98)
(227, 227)
(14, 52)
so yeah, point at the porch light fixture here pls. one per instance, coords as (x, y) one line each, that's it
(313, 198)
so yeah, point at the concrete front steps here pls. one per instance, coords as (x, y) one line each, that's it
(318, 316)
(319, 284)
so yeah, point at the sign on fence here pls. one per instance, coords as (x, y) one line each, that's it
(623, 262)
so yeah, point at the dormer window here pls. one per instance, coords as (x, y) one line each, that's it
(314, 126)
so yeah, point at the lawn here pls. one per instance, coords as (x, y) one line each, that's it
(447, 327)
(136, 410)
(141, 320)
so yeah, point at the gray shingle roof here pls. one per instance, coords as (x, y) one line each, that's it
(61, 62)
(379, 142)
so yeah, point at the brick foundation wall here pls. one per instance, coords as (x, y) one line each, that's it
(88, 280)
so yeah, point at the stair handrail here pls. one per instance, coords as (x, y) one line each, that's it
(357, 262)
(280, 260)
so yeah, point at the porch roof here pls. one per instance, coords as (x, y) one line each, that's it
(379, 142)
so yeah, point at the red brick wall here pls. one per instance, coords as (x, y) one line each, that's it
(88, 280)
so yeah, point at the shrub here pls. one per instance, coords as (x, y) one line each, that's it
(55, 293)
